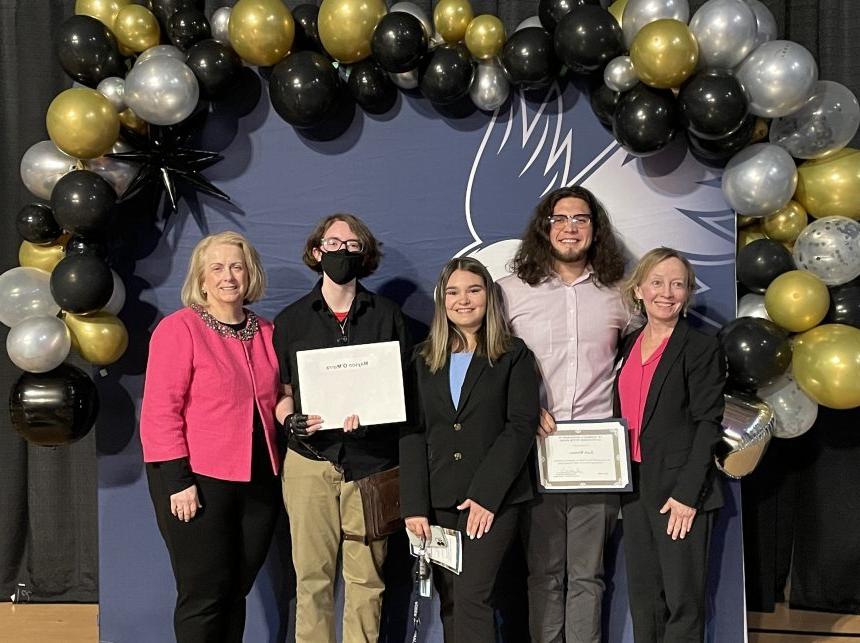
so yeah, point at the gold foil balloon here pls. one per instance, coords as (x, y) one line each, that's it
(100, 338)
(826, 365)
(743, 220)
(617, 10)
(103, 10)
(797, 300)
(44, 258)
(749, 234)
(786, 224)
(346, 27)
(831, 186)
(136, 28)
(82, 123)
(664, 53)
(132, 121)
(452, 18)
(485, 37)
(261, 31)
(760, 130)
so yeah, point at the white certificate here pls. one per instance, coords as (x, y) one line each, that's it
(585, 456)
(363, 379)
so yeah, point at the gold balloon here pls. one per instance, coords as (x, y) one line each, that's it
(786, 224)
(136, 28)
(451, 19)
(100, 338)
(346, 27)
(760, 130)
(42, 257)
(82, 123)
(261, 31)
(132, 121)
(749, 234)
(826, 364)
(797, 300)
(831, 186)
(664, 53)
(617, 10)
(743, 220)
(485, 36)
(102, 10)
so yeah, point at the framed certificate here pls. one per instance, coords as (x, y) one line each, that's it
(362, 379)
(590, 455)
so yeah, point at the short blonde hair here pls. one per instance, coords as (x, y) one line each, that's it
(192, 287)
(646, 265)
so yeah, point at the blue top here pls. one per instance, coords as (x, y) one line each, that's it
(457, 373)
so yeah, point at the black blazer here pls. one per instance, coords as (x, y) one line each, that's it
(478, 450)
(682, 420)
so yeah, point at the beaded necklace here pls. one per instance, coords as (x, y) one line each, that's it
(246, 334)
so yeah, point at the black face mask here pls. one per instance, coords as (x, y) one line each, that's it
(342, 266)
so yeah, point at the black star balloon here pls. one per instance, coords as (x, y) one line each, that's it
(167, 158)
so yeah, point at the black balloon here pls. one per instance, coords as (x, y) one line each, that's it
(713, 104)
(188, 27)
(399, 42)
(371, 86)
(587, 38)
(82, 202)
(216, 67)
(551, 12)
(529, 58)
(757, 350)
(79, 245)
(54, 408)
(165, 9)
(36, 223)
(645, 120)
(88, 51)
(845, 304)
(306, 17)
(304, 88)
(719, 151)
(446, 74)
(762, 261)
(81, 283)
(603, 103)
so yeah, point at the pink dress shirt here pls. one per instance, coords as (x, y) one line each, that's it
(199, 396)
(633, 386)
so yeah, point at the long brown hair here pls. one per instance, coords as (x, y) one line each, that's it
(494, 337)
(533, 261)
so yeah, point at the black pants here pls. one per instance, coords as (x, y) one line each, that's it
(466, 599)
(216, 556)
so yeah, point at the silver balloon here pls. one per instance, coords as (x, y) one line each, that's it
(418, 12)
(220, 24)
(534, 21)
(778, 77)
(766, 29)
(113, 88)
(39, 344)
(42, 166)
(794, 411)
(752, 305)
(639, 13)
(406, 80)
(619, 74)
(747, 425)
(117, 298)
(118, 173)
(824, 124)
(725, 31)
(25, 292)
(829, 248)
(160, 50)
(162, 90)
(490, 87)
(759, 180)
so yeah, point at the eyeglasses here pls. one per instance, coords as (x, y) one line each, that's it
(333, 244)
(576, 220)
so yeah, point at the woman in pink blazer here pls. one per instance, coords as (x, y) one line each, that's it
(208, 432)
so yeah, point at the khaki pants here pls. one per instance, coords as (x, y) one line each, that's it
(322, 507)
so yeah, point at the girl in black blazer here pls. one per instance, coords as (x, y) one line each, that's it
(670, 390)
(464, 466)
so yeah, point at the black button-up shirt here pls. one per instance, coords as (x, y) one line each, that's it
(308, 324)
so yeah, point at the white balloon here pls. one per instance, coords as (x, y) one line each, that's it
(220, 25)
(39, 344)
(759, 180)
(117, 298)
(25, 292)
(766, 29)
(794, 411)
(534, 21)
(118, 173)
(829, 248)
(162, 90)
(405, 80)
(160, 50)
(725, 31)
(113, 88)
(42, 165)
(490, 87)
(752, 305)
(638, 13)
(778, 78)
(619, 74)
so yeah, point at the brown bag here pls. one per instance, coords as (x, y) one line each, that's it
(380, 499)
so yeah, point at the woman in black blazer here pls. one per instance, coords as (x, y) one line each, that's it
(464, 466)
(670, 390)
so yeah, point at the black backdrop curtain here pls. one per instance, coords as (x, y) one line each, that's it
(48, 515)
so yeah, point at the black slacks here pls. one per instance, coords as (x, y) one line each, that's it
(466, 599)
(216, 556)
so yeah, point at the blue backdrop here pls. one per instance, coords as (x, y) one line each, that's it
(431, 186)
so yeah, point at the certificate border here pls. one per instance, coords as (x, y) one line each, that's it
(540, 459)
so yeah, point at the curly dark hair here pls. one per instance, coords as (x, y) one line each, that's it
(533, 261)
(372, 249)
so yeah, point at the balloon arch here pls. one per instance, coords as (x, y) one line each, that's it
(741, 98)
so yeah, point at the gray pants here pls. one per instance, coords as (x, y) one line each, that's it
(564, 536)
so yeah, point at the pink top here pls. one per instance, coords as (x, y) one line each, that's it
(633, 385)
(199, 396)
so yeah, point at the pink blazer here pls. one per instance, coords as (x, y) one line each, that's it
(199, 396)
